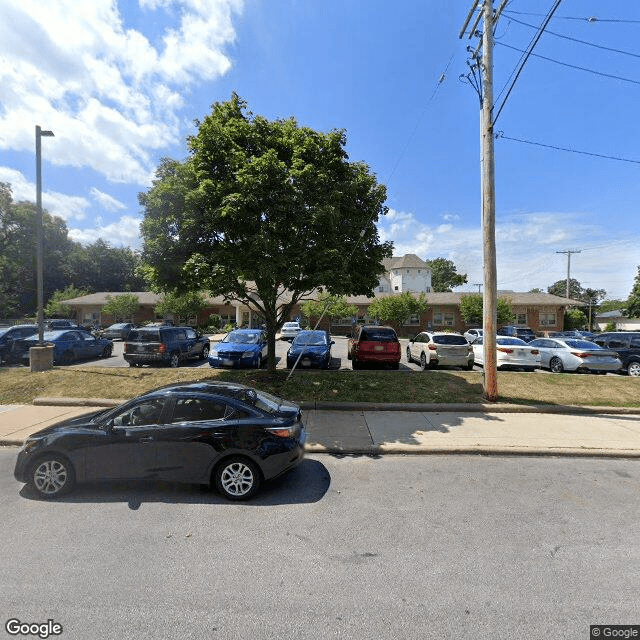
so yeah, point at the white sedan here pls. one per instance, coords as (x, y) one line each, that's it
(510, 353)
(290, 330)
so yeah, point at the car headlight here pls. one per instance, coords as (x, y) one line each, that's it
(247, 354)
(30, 443)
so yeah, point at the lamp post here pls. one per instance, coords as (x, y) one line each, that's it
(40, 232)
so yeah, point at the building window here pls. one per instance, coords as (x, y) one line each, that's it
(443, 319)
(521, 319)
(414, 319)
(547, 320)
(396, 287)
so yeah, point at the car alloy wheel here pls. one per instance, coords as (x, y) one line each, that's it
(106, 352)
(174, 363)
(205, 353)
(409, 360)
(423, 361)
(634, 369)
(52, 476)
(237, 479)
(556, 365)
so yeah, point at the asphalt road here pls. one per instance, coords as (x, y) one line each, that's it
(397, 547)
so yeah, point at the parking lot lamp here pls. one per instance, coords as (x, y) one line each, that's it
(40, 232)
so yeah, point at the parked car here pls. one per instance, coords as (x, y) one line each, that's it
(524, 333)
(575, 355)
(440, 348)
(60, 323)
(224, 435)
(573, 333)
(164, 344)
(511, 353)
(10, 336)
(626, 345)
(68, 346)
(290, 330)
(473, 334)
(371, 344)
(310, 349)
(119, 330)
(241, 348)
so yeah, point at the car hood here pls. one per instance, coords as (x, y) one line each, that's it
(70, 425)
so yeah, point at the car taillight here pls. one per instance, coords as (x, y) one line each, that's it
(432, 347)
(580, 355)
(534, 352)
(504, 350)
(162, 348)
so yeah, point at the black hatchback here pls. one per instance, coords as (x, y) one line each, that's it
(627, 345)
(224, 435)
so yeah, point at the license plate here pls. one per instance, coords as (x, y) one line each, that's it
(226, 362)
(378, 347)
(305, 362)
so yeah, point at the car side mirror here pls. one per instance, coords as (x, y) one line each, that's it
(333, 342)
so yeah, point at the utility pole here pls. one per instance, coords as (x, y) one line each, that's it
(484, 79)
(568, 252)
(479, 285)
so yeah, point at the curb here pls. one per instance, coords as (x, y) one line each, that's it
(441, 407)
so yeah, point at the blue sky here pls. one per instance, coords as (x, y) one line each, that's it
(120, 84)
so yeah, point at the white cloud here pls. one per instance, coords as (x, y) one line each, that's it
(124, 232)
(106, 201)
(57, 204)
(110, 96)
(526, 246)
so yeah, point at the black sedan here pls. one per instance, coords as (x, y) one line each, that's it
(220, 434)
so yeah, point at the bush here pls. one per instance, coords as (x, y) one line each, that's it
(215, 321)
(227, 327)
(611, 327)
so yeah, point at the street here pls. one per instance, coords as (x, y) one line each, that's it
(345, 547)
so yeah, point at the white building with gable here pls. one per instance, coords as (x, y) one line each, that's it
(406, 274)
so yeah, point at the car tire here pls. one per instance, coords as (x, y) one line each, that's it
(409, 360)
(174, 361)
(555, 365)
(107, 351)
(66, 358)
(423, 361)
(355, 365)
(395, 366)
(237, 478)
(470, 365)
(205, 353)
(51, 476)
(633, 369)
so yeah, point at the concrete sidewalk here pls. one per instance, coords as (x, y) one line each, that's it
(370, 431)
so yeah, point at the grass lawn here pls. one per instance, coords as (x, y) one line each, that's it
(20, 386)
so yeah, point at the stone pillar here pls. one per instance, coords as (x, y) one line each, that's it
(41, 358)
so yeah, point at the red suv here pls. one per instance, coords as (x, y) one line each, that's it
(371, 343)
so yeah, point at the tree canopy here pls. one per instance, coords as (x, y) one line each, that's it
(576, 291)
(444, 275)
(633, 302)
(398, 308)
(328, 306)
(184, 305)
(263, 212)
(121, 307)
(471, 306)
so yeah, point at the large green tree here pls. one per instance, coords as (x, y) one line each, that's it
(444, 275)
(471, 306)
(328, 306)
(264, 212)
(633, 302)
(122, 307)
(184, 305)
(55, 306)
(398, 308)
(576, 291)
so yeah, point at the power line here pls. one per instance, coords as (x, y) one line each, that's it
(500, 134)
(590, 44)
(583, 19)
(572, 66)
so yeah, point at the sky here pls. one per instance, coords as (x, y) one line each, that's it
(121, 83)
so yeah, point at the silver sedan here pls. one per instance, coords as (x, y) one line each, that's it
(575, 355)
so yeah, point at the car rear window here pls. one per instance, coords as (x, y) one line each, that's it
(582, 344)
(510, 341)
(375, 334)
(144, 335)
(450, 339)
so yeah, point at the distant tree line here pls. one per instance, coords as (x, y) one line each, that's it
(68, 265)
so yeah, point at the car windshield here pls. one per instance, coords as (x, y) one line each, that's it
(314, 338)
(582, 344)
(450, 339)
(4, 331)
(378, 334)
(118, 326)
(241, 338)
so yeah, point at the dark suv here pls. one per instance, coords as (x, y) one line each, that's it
(626, 345)
(164, 345)
(374, 344)
(11, 336)
(524, 333)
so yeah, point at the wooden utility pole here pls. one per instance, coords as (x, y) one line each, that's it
(568, 252)
(484, 87)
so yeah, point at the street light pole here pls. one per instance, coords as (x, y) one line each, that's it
(40, 232)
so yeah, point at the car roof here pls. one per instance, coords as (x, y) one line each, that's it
(231, 389)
